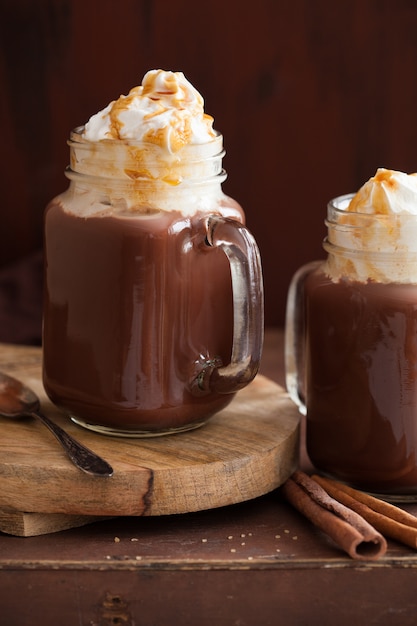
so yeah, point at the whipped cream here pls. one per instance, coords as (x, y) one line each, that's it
(154, 149)
(388, 192)
(372, 235)
(165, 110)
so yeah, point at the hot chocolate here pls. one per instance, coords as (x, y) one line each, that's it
(361, 382)
(123, 331)
(153, 314)
(351, 340)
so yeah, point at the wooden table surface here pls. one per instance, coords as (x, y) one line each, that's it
(256, 563)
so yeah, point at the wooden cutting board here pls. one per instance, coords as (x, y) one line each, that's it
(245, 451)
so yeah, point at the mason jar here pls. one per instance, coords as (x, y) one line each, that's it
(153, 315)
(351, 351)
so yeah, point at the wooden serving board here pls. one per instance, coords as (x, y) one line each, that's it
(245, 451)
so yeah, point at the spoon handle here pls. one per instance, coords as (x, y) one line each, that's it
(84, 458)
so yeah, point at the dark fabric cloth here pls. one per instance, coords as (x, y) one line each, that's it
(21, 286)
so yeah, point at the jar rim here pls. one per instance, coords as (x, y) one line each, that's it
(337, 214)
(145, 163)
(214, 147)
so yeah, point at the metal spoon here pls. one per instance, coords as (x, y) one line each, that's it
(17, 400)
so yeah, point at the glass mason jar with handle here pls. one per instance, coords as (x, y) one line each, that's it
(351, 349)
(153, 314)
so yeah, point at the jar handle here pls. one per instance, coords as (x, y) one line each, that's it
(295, 323)
(240, 247)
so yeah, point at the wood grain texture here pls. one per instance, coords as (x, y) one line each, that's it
(247, 450)
(311, 96)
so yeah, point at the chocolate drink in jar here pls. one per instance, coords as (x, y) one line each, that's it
(153, 310)
(352, 354)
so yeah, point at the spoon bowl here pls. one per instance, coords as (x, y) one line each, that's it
(16, 400)
(19, 401)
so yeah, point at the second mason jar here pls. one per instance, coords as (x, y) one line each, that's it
(351, 351)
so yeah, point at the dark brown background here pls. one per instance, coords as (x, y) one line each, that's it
(311, 95)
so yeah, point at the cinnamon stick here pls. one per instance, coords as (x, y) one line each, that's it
(348, 530)
(390, 520)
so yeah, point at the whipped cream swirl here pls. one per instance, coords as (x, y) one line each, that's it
(372, 235)
(388, 192)
(165, 110)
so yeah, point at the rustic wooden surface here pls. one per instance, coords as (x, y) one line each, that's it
(256, 563)
(246, 450)
(311, 95)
